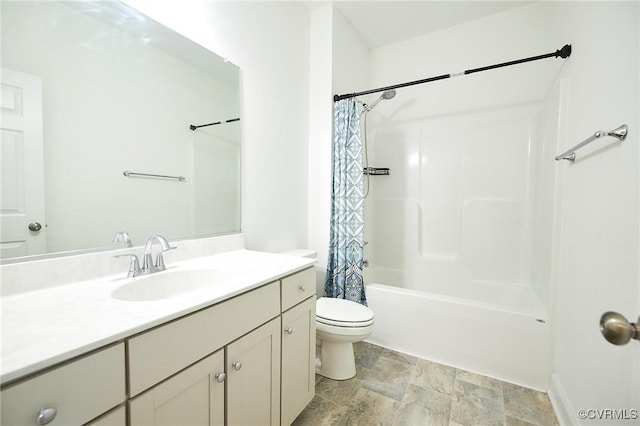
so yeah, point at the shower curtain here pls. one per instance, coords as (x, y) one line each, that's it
(346, 242)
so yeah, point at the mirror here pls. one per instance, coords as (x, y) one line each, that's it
(91, 90)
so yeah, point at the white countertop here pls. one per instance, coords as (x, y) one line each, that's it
(44, 327)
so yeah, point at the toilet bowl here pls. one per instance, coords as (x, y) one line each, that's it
(339, 324)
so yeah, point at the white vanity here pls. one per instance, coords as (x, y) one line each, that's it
(239, 351)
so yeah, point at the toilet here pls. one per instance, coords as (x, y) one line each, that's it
(339, 324)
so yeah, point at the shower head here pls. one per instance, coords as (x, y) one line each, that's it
(387, 94)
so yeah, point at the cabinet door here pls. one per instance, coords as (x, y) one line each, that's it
(253, 377)
(192, 397)
(298, 359)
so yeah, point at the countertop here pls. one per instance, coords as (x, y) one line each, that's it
(45, 327)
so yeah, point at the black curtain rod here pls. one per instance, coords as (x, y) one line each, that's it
(231, 120)
(564, 53)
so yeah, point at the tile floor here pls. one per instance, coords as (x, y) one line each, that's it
(391, 388)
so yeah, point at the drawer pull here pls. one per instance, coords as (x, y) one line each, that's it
(289, 330)
(220, 377)
(46, 415)
(237, 365)
(302, 288)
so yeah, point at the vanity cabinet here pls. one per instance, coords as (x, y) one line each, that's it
(76, 392)
(298, 343)
(249, 359)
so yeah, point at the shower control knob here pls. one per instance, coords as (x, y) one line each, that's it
(35, 226)
(617, 330)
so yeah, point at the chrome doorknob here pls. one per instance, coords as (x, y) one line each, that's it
(237, 365)
(35, 226)
(617, 330)
(220, 377)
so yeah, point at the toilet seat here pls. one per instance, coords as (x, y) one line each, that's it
(343, 313)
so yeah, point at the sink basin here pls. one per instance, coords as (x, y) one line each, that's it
(168, 284)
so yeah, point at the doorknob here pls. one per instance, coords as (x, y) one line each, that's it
(617, 330)
(35, 226)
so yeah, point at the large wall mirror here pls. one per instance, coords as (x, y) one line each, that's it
(91, 90)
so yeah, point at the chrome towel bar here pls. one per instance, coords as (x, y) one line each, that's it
(134, 174)
(620, 133)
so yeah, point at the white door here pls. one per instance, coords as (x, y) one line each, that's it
(22, 165)
(598, 257)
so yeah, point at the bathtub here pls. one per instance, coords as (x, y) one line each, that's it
(502, 332)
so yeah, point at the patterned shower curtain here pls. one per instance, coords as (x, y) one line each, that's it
(344, 265)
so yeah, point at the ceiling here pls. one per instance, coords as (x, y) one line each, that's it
(384, 22)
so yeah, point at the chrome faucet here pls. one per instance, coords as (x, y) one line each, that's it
(148, 266)
(122, 237)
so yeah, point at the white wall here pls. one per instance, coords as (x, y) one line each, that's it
(339, 64)
(269, 41)
(320, 136)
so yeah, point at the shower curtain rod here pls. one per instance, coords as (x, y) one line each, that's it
(564, 53)
(231, 120)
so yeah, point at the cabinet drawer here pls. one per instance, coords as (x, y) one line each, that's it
(78, 391)
(159, 353)
(297, 287)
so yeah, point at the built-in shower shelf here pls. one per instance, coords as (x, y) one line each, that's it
(376, 171)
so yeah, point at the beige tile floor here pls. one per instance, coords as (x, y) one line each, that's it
(391, 388)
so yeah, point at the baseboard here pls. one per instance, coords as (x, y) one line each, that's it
(565, 413)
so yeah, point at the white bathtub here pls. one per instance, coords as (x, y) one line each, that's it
(505, 336)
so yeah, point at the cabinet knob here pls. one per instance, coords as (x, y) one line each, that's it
(46, 415)
(220, 377)
(302, 288)
(237, 365)
(289, 330)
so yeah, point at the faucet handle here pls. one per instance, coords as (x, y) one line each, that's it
(134, 266)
